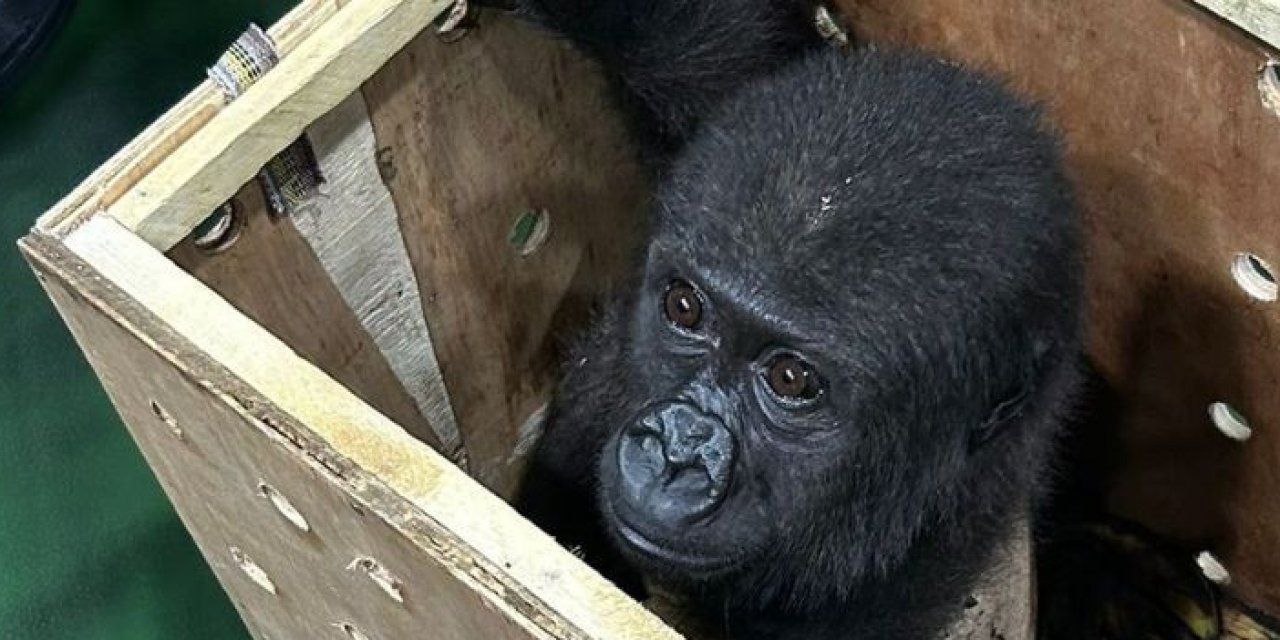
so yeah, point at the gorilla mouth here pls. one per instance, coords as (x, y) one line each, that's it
(691, 562)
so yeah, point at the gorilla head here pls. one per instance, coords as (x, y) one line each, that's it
(856, 325)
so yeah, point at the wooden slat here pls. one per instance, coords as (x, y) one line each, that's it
(471, 134)
(1175, 158)
(1261, 18)
(217, 473)
(353, 229)
(474, 538)
(225, 153)
(270, 275)
(116, 176)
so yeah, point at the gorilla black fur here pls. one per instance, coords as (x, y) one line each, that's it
(894, 230)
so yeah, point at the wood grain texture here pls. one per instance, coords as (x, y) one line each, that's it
(352, 227)
(472, 134)
(271, 275)
(513, 569)
(120, 173)
(1175, 159)
(1261, 18)
(232, 146)
(308, 586)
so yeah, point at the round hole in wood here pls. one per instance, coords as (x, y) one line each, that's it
(1230, 422)
(167, 419)
(1269, 86)
(1255, 277)
(220, 230)
(457, 23)
(380, 576)
(251, 569)
(530, 231)
(284, 507)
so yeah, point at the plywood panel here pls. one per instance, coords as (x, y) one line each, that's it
(477, 568)
(471, 134)
(270, 274)
(352, 227)
(175, 127)
(324, 68)
(1176, 160)
(307, 575)
(1260, 18)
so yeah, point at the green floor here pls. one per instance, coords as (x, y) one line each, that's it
(89, 547)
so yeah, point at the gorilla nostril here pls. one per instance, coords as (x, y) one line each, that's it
(651, 444)
(641, 465)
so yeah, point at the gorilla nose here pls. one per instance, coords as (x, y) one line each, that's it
(675, 463)
(683, 435)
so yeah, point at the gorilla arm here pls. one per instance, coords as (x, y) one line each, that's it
(671, 61)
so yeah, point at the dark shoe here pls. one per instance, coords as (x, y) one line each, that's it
(26, 26)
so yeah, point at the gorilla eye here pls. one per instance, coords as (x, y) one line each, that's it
(791, 378)
(683, 305)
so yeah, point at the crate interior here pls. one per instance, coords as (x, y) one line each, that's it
(471, 137)
(1171, 147)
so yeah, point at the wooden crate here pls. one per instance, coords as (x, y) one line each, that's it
(339, 401)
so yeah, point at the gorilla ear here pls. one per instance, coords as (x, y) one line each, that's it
(1005, 411)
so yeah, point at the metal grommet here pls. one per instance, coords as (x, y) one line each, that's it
(220, 230)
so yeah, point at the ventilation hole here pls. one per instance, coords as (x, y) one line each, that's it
(285, 507)
(1254, 275)
(530, 231)
(351, 631)
(456, 24)
(251, 569)
(1230, 422)
(168, 420)
(220, 230)
(1269, 85)
(380, 576)
(1212, 568)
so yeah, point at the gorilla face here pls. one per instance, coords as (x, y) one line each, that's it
(769, 446)
(699, 481)
(854, 327)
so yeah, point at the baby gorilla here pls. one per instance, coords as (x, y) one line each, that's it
(838, 376)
